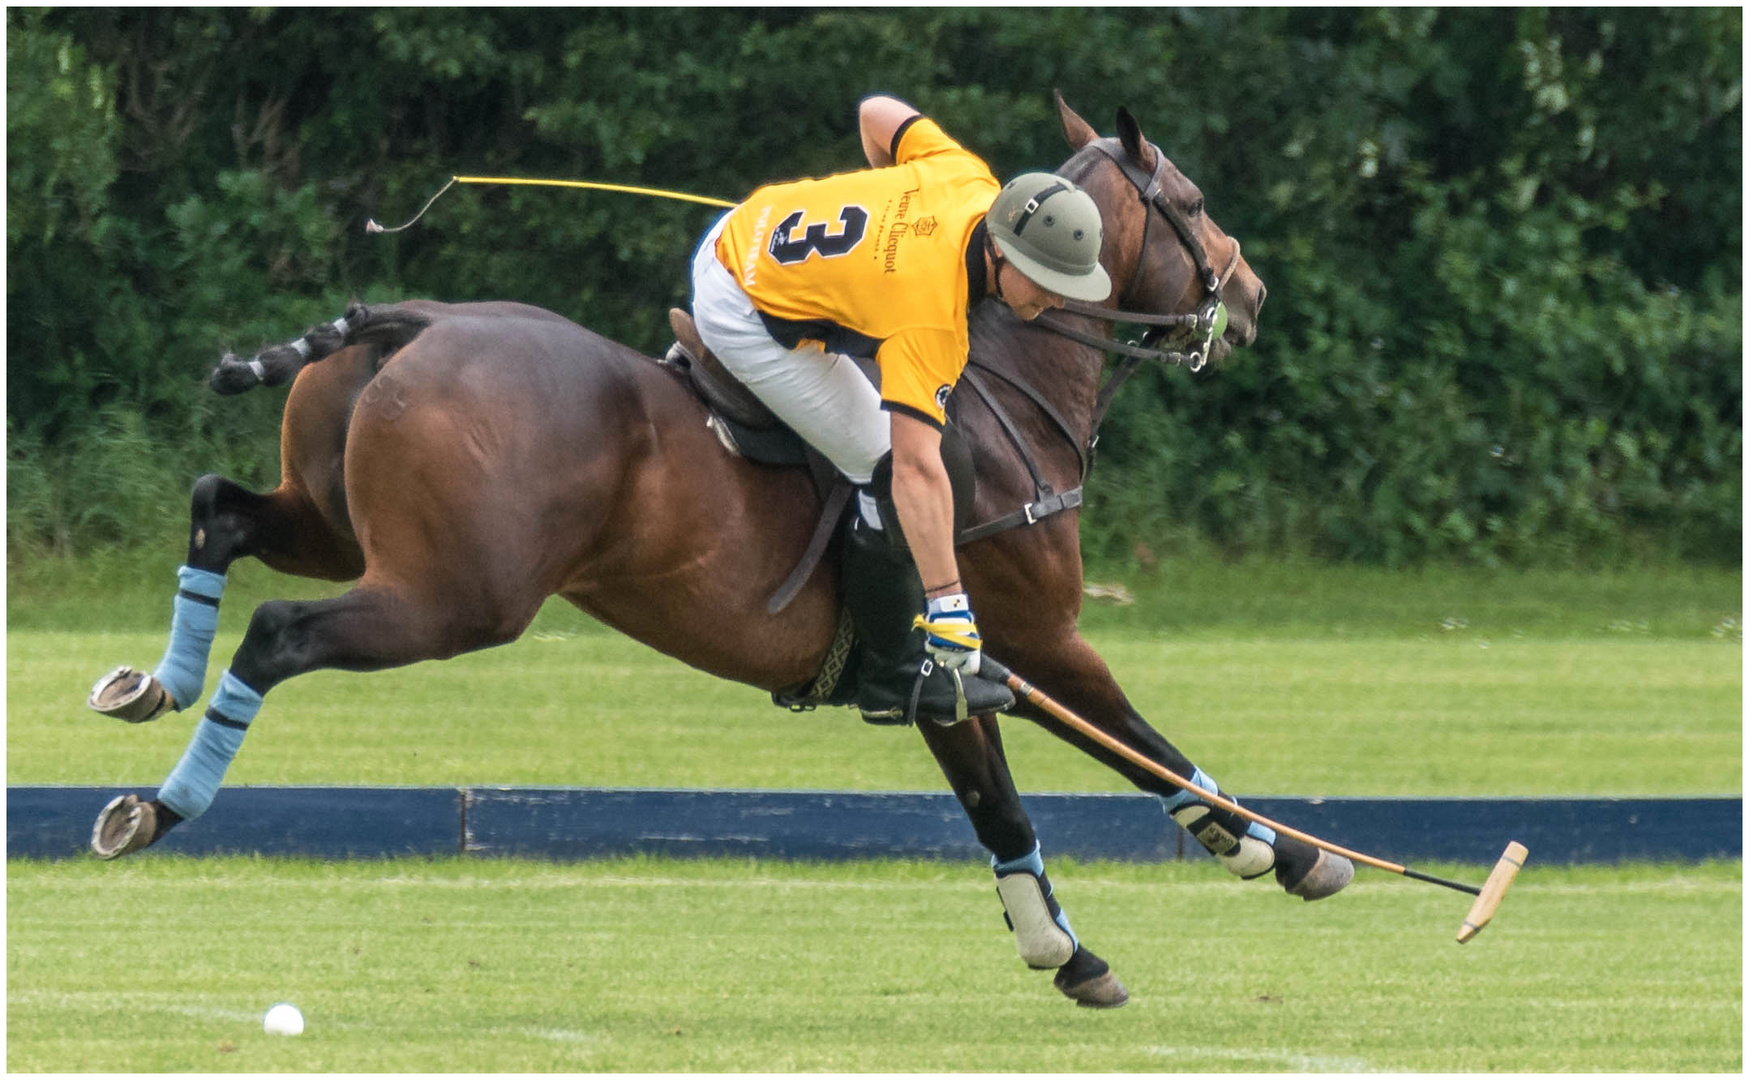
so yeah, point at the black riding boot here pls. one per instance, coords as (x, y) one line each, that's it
(897, 682)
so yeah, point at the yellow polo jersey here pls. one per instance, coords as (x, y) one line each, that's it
(874, 262)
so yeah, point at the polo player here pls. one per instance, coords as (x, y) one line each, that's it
(890, 262)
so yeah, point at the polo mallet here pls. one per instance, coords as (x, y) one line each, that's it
(1488, 897)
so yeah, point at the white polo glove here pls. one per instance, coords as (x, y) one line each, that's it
(953, 640)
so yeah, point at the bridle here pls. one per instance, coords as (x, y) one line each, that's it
(1199, 328)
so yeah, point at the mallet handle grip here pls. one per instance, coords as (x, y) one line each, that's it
(1044, 701)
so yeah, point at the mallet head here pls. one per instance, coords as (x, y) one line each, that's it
(1493, 891)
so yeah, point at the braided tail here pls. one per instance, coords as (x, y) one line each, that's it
(391, 327)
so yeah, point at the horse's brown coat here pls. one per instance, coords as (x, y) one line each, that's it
(507, 454)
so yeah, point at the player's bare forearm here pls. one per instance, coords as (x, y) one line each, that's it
(924, 498)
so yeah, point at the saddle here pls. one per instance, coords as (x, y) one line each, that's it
(747, 428)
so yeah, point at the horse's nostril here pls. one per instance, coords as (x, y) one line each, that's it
(1262, 294)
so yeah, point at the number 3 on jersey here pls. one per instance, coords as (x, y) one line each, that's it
(788, 249)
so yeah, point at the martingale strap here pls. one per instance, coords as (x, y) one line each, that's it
(1046, 500)
(1125, 368)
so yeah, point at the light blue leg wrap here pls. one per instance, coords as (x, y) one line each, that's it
(190, 788)
(194, 621)
(1033, 863)
(1207, 783)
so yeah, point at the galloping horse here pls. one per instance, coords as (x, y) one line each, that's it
(466, 461)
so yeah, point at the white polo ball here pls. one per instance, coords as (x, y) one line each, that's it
(283, 1019)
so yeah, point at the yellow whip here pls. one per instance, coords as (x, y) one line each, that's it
(371, 226)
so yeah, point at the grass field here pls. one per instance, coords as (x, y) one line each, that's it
(1367, 684)
(166, 965)
(1386, 717)
(1278, 680)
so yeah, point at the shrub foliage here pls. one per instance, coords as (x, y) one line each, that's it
(1502, 245)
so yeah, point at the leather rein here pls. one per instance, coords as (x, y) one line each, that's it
(1198, 329)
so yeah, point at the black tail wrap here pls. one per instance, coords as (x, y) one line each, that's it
(390, 328)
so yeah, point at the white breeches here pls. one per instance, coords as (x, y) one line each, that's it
(823, 396)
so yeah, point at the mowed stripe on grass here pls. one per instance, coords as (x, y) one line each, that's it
(1442, 717)
(166, 964)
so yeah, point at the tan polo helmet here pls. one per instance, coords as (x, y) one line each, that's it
(1051, 231)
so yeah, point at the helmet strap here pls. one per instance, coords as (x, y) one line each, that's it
(1033, 204)
(997, 262)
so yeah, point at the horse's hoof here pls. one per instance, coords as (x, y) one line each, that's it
(1087, 980)
(1101, 992)
(1326, 877)
(130, 695)
(126, 825)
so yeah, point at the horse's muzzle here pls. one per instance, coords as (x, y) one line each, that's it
(1243, 295)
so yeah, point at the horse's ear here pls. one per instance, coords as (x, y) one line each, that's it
(1130, 134)
(1078, 131)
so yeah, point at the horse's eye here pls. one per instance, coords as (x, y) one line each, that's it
(1196, 208)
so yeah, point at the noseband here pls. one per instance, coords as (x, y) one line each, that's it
(1200, 327)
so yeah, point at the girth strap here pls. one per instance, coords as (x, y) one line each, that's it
(823, 531)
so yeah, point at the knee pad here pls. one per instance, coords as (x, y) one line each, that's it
(876, 498)
(875, 503)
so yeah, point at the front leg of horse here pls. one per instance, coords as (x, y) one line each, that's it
(226, 523)
(1076, 676)
(970, 755)
(176, 683)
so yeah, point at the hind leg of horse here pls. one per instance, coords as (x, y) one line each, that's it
(1073, 673)
(226, 523)
(375, 626)
(971, 757)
